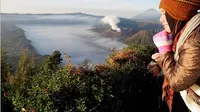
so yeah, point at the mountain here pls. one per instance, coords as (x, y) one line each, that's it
(13, 40)
(50, 18)
(74, 14)
(128, 28)
(149, 26)
(143, 37)
(82, 14)
(127, 23)
(149, 15)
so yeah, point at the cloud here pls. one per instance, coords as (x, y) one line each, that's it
(75, 40)
(112, 20)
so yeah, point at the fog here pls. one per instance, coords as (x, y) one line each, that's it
(61, 19)
(77, 40)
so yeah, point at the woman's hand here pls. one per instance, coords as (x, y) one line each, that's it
(154, 68)
(163, 41)
(155, 56)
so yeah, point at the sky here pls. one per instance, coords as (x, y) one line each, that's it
(98, 7)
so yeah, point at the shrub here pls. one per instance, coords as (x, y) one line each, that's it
(121, 84)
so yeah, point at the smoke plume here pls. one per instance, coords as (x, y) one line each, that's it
(112, 20)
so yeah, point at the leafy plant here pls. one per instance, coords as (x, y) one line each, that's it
(121, 84)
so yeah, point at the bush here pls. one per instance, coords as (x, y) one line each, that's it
(121, 84)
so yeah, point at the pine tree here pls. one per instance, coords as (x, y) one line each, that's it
(53, 62)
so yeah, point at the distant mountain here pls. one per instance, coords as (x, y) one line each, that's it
(149, 26)
(83, 14)
(50, 18)
(149, 15)
(75, 14)
(127, 23)
(128, 28)
(143, 37)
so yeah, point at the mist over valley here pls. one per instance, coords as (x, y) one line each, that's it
(82, 36)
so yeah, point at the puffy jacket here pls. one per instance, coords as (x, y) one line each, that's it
(186, 71)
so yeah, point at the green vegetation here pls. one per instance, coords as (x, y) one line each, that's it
(122, 83)
(14, 41)
(34, 83)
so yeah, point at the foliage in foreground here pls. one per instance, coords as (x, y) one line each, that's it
(121, 84)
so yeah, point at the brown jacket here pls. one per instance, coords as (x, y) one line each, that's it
(186, 71)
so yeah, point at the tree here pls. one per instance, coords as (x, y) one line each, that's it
(5, 66)
(6, 105)
(53, 61)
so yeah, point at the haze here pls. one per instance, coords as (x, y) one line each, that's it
(77, 40)
(120, 8)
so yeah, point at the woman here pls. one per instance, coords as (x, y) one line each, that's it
(179, 53)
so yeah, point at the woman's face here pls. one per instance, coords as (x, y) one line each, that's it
(164, 22)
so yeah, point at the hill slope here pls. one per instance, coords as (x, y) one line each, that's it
(13, 41)
(149, 15)
(143, 37)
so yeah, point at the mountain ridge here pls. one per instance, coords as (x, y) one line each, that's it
(143, 37)
(149, 15)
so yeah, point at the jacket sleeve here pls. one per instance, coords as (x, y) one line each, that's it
(186, 71)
